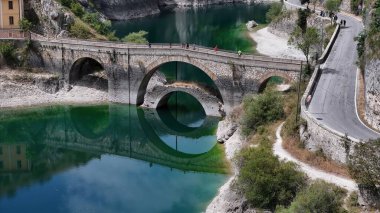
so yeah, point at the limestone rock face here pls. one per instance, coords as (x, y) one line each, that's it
(49, 15)
(127, 9)
(372, 92)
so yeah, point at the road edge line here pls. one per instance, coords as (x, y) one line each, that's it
(356, 102)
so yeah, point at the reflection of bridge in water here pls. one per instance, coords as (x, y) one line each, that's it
(123, 131)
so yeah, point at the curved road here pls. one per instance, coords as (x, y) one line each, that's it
(334, 99)
(334, 103)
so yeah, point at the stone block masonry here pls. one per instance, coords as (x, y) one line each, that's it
(129, 67)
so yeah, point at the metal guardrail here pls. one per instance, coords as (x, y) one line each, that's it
(14, 34)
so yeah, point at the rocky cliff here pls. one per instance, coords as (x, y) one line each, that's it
(372, 91)
(371, 61)
(127, 9)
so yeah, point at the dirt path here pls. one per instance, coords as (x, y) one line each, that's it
(312, 173)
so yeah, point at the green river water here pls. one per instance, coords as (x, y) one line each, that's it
(120, 158)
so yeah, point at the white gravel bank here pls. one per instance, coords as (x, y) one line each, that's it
(274, 46)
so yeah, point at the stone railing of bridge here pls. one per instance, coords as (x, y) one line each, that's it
(192, 51)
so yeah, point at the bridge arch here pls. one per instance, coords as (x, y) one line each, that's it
(211, 105)
(86, 66)
(269, 75)
(154, 66)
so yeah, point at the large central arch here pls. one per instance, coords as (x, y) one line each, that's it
(154, 66)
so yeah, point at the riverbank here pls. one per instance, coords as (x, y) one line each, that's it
(26, 89)
(272, 45)
(229, 200)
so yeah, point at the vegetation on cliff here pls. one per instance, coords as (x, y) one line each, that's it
(317, 197)
(364, 165)
(261, 110)
(136, 37)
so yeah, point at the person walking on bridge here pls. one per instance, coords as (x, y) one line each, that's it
(216, 48)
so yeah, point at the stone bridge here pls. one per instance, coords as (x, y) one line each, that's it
(129, 67)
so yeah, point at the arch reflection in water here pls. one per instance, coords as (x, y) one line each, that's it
(102, 157)
(119, 130)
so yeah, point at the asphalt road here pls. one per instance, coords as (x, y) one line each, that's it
(334, 99)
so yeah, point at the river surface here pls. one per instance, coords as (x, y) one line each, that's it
(119, 158)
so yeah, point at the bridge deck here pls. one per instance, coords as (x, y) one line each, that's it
(224, 55)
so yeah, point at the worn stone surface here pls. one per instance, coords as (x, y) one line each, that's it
(318, 138)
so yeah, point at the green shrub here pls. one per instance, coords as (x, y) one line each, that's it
(25, 24)
(77, 9)
(66, 3)
(261, 110)
(8, 51)
(79, 30)
(265, 180)
(364, 165)
(136, 37)
(274, 11)
(318, 197)
(94, 20)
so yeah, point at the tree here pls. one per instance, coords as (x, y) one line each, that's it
(25, 25)
(302, 19)
(265, 180)
(332, 5)
(77, 9)
(274, 11)
(136, 37)
(306, 42)
(318, 197)
(260, 110)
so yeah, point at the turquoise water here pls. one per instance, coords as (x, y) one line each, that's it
(221, 25)
(117, 158)
(111, 158)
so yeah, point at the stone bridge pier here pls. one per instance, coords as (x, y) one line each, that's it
(129, 68)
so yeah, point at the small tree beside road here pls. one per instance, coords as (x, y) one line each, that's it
(332, 5)
(306, 42)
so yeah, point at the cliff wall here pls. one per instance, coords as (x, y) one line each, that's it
(127, 9)
(371, 61)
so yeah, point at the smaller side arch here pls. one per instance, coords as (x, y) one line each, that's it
(84, 66)
(265, 78)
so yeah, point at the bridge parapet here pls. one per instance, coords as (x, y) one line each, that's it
(194, 51)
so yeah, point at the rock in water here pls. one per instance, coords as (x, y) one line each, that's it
(251, 24)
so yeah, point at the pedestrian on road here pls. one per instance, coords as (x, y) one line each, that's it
(187, 46)
(239, 53)
(150, 45)
(344, 22)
